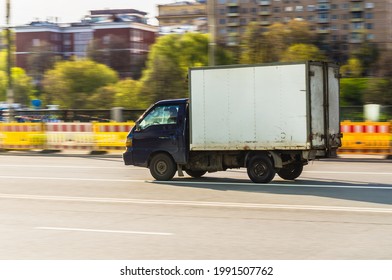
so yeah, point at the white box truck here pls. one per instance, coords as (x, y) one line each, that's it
(267, 118)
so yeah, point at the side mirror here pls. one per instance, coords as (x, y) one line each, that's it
(137, 126)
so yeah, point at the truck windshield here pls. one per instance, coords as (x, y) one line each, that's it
(166, 114)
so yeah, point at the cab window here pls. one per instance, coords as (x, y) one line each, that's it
(166, 114)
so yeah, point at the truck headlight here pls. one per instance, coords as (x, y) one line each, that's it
(128, 143)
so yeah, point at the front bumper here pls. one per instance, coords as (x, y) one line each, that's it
(128, 158)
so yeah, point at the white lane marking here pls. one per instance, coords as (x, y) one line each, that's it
(199, 203)
(364, 185)
(349, 172)
(72, 179)
(103, 231)
(62, 166)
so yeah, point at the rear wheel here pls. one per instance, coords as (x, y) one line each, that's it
(291, 171)
(195, 173)
(260, 169)
(162, 167)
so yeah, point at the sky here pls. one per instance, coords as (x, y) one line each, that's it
(25, 11)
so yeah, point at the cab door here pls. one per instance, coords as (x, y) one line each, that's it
(159, 131)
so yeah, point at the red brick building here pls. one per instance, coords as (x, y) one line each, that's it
(119, 38)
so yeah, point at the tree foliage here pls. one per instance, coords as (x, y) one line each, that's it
(22, 86)
(127, 95)
(352, 69)
(260, 44)
(379, 91)
(300, 52)
(74, 84)
(167, 65)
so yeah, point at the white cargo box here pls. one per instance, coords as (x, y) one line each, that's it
(264, 107)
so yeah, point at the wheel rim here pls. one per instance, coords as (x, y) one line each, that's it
(161, 167)
(259, 169)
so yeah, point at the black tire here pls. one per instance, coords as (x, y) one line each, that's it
(195, 173)
(260, 169)
(162, 167)
(291, 171)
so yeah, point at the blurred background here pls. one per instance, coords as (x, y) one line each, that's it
(130, 58)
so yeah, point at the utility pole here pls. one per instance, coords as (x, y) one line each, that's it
(211, 30)
(10, 91)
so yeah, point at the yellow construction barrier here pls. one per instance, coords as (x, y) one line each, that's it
(22, 136)
(358, 137)
(365, 138)
(111, 136)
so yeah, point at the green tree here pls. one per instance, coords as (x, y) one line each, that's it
(251, 45)
(21, 84)
(368, 55)
(352, 91)
(167, 66)
(259, 44)
(300, 52)
(72, 84)
(352, 69)
(127, 94)
(379, 91)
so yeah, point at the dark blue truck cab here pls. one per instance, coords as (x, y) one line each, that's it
(159, 140)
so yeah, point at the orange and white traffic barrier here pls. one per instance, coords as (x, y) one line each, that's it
(63, 136)
(365, 138)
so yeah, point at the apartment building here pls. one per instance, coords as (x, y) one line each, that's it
(348, 22)
(123, 32)
(183, 16)
(343, 23)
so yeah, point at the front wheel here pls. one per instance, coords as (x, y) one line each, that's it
(291, 171)
(260, 169)
(162, 167)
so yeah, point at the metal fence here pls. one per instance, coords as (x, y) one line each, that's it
(352, 113)
(71, 115)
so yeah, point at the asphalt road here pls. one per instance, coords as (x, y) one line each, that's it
(91, 207)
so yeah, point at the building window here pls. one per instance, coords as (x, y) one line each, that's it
(222, 21)
(222, 1)
(36, 43)
(357, 25)
(369, 5)
(288, 9)
(369, 15)
(311, 8)
(345, 6)
(369, 25)
(106, 40)
(370, 36)
(299, 8)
